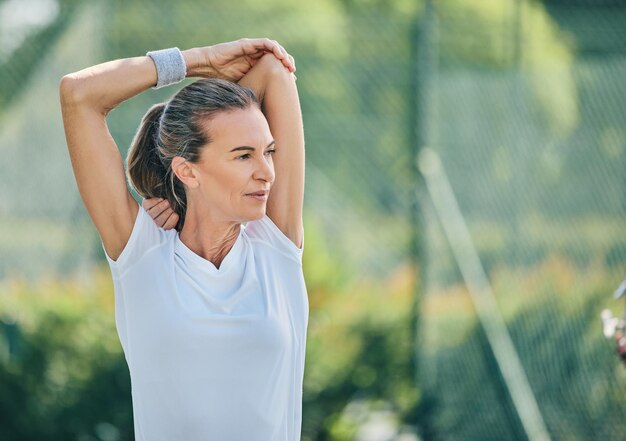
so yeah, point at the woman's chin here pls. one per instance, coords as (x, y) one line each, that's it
(257, 215)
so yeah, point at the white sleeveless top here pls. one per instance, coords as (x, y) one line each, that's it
(214, 354)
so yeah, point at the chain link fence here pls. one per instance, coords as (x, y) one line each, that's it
(515, 111)
(524, 211)
(353, 79)
(352, 82)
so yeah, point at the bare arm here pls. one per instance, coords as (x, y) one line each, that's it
(276, 87)
(89, 95)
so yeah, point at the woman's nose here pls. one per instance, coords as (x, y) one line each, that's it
(265, 170)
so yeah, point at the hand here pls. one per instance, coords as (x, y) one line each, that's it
(160, 211)
(620, 342)
(232, 60)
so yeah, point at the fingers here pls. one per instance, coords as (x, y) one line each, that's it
(163, 217)
(160, 211)
(293, 62)
(156, 207)
(252, 46)
(286, 58)
(148, 203)
(257, 55)
(171, 221)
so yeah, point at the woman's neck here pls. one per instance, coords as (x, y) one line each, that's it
(208, 237)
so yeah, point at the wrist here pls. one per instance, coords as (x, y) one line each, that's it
(170, 66)
(191, 60)
(198, 64)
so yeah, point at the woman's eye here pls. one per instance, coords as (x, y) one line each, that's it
(247, 155)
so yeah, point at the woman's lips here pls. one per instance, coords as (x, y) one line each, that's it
(260, 196)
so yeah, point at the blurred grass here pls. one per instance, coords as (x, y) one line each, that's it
(62, 365)
(552, 310)
(63, 373)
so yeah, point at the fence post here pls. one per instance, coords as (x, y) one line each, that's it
(421, 65)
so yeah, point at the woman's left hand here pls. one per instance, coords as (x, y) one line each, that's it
(232, 60)
(161, 213)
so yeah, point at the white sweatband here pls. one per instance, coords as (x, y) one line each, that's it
(170, 66)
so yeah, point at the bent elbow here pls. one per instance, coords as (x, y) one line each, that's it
(70, 90)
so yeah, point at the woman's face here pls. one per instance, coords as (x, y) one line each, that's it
(236, 163)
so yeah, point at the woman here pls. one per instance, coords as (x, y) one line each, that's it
(212, 314)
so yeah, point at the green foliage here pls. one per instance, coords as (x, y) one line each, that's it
(17, 68)
(360, 348)
(509, 34)
(353, 75)
(583, 241)
(514, 110)
(63, 374)
(552, 312)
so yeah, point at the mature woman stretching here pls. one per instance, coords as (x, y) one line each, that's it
(212, 314)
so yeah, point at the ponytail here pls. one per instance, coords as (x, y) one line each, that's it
(145, 170)
(179, 131)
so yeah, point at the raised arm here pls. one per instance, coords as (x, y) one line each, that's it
(89, 95)
(276, 88)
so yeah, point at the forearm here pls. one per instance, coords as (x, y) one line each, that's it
(258, 77)
(281, 107)
(104, 86)
(281, 104)
(275, 86)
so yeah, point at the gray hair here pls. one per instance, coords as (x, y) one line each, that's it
(178, 128)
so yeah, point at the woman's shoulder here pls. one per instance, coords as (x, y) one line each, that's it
(145, 238)
(265, 232)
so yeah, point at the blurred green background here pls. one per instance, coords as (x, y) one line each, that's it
(523, 102)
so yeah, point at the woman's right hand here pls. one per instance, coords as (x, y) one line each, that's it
(161, 213)
(232, 60)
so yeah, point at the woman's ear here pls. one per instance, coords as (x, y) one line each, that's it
(185, 171)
